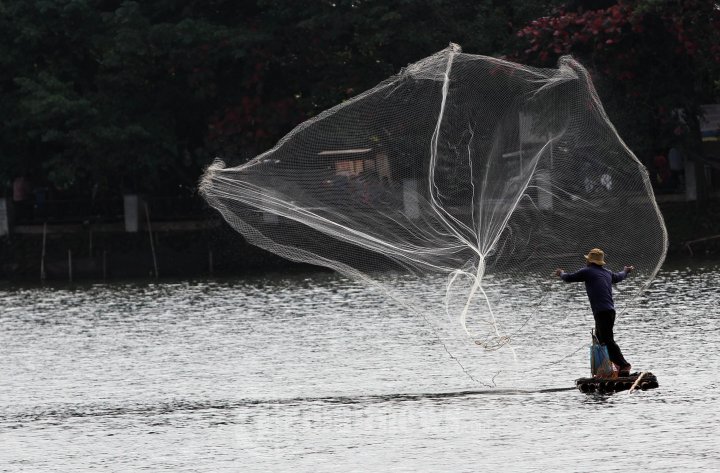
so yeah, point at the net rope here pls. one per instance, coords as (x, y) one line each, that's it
(456, 187)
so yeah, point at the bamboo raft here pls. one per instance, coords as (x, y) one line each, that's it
(643, 381)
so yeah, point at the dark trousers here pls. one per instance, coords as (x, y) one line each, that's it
(604, 322)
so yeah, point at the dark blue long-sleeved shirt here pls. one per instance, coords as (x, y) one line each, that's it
(598, 284)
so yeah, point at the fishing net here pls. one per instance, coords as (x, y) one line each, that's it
(456, 187)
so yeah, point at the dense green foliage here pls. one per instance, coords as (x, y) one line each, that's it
(124, 95)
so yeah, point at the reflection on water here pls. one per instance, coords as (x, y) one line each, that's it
(317, 373)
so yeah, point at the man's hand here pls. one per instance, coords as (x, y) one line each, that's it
(558, 272)
(629, 269)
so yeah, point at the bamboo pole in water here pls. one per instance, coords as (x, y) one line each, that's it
(152, 243)
(42, 256)
(70, 265)
(104, 265)
(210, 261)
(637, 381)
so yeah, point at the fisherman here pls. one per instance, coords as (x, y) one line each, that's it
(598, 284)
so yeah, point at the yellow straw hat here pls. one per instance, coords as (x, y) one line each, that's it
(596, 256)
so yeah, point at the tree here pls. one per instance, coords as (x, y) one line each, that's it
(119, 95)
(111, 95)
(654, 63)
(313, 56)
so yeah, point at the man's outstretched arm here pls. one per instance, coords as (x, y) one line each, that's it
(617, 277)
(571, 277)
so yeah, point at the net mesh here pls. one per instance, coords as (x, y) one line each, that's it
(456, 186)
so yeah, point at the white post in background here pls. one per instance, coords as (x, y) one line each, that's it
(131, 203)
(4, 217)
(544, 197)
(411, 199)
(690, 182)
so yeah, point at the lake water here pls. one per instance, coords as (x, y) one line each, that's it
(313, 372)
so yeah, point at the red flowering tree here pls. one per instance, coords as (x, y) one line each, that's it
(648, 58)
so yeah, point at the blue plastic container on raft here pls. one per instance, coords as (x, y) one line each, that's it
(605, 377)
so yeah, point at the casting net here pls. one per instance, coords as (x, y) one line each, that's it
(456, 187)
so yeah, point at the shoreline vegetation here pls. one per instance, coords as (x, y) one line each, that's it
(103, 101)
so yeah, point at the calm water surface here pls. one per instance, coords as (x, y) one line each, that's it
(316, 373)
